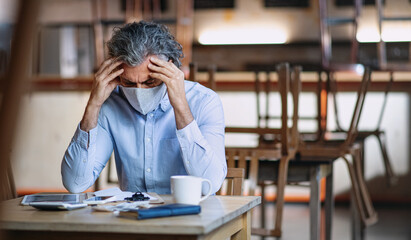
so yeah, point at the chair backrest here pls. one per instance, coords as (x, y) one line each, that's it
(352, 131)
(284, 88)
(235, 180)
(211, 69)
(295, 91)
(193, 71)
(334, 91)
(288, 82)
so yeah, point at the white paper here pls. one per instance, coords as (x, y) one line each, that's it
(117, 194)
(108, 192)
(122, 206)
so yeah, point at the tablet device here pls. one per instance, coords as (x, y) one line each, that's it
(61, 198)
(57, 205)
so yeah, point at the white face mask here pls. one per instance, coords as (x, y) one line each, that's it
(144, 100)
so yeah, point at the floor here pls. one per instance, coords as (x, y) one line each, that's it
(394, 222)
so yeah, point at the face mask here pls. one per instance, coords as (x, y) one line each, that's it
(144, 100)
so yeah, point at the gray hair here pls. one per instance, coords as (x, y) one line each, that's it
(134, 42)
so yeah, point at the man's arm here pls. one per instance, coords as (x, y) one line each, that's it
(202, 147)
(173, 77)
(105, 80)
(85, 158)
(202, 143)
(87, 154)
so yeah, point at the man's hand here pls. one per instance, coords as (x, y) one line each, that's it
(173, 77)
(105, 80)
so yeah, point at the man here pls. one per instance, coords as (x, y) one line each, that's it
(157, 123)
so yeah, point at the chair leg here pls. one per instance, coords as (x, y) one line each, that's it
(360, 192)
(329, 203)
(357, 228)
(315, 205)
(263, 205)
(355, 189)
(371, 214)
(279, 202)
(392, 179)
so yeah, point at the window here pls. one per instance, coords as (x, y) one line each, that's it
(287, 3)
(347, 3)
(209, 4)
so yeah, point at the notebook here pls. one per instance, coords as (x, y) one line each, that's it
(161, 211)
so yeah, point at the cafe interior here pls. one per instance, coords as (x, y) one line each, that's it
(316, 99)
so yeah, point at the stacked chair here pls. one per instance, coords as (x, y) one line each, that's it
(287, 159)
(282, 151)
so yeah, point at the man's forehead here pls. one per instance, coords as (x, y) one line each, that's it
(146, 61)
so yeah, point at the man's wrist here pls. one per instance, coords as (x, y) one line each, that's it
(92, 103)
(90, 117)
(183, 115)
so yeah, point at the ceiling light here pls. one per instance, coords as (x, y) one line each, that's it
(243, 35)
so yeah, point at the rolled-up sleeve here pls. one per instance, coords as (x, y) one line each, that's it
(82, 163)
(202, 144)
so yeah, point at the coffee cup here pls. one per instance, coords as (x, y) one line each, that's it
(187, 189)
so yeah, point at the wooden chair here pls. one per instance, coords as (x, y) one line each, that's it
(235, 180)
(260, 167)
(263, 171)
(13, 90)
(282, 151)
(211, 70)
(8, 188)
(383, 62)
(326, 22)
(361, 135)
(248, 159)
(193, 67)
(331, 150)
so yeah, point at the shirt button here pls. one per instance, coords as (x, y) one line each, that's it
(84, 160)
(151, 114)
(148, 139)
(188, 162)
(148, 170)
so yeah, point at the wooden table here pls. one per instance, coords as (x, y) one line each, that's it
(221, 217)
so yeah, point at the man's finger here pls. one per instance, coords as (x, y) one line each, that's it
(114, 83)
(113, 75)
(157, 69)
(159, 76)
(159, 62)
(104, 65)
(110, 68)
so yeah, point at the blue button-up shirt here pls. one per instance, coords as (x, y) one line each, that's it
(148, 149)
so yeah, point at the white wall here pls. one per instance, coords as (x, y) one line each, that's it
(47, 124)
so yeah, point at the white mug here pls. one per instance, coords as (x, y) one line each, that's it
(187, 189)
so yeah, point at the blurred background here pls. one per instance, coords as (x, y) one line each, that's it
(233, 38)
